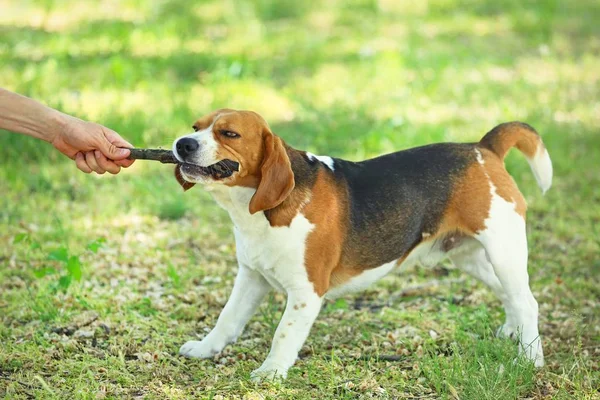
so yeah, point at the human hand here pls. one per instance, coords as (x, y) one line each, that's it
(93, 147)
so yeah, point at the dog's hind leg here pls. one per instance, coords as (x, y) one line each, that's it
(505, 241)
(473, 259)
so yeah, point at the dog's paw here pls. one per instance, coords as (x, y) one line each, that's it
(268, 372)
(538, 362)
(506, 331)
(200, 349)
(533, 352)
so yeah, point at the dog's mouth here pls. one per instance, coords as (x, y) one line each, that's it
(220, 170)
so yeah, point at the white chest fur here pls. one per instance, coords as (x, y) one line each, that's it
(276, 252)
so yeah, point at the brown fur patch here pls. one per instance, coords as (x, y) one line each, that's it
(342, 274)
(512, 134)
(276, 176)
(286, 211)
(304, 179)
(452, 240)
(248, 150)
(401, 260)
(327, 211)
(206, 120)
(469, 204)
(184, 184)
(506, 187)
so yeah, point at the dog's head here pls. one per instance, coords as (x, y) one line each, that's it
(236, 148)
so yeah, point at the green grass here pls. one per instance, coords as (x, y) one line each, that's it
(350, 79)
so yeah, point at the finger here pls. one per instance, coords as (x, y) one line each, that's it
(81, 164)
(105, 163)
(124, 163)
(114, 147)
(116, 139)
(113, 152)
(90, 159)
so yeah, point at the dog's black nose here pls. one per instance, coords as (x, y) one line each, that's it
(186, 146)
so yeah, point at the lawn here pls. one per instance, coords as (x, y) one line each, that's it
(102, 278)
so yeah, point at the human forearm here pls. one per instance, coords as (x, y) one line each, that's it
(24, 115)
(93, 147)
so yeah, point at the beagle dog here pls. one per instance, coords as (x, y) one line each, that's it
(317, 227)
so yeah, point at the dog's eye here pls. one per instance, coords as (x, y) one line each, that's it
(229, 134)
(195, 129)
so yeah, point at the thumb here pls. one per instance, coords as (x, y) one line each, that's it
(111, 151)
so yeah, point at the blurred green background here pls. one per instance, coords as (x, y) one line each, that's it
(345, 78)
(350, 79)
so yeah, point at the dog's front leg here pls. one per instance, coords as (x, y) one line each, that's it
(248, 291)
(303, 306)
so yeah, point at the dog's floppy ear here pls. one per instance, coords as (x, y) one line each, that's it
(277, 177)
(184, 184)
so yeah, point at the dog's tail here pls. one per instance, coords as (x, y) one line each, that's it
(522, 136)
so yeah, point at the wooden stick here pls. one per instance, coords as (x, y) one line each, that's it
(224, 167)
(164, 156)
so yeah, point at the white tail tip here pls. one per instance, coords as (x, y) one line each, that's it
(541, 166)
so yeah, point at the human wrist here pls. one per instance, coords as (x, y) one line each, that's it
(57, 124)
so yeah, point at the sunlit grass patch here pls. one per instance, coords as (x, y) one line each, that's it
(59, 16)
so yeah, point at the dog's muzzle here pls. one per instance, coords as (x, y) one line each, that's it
(186, 147)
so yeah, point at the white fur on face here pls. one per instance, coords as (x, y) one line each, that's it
(207, 152)
(205, 156)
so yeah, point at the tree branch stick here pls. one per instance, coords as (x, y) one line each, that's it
(164, 156)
